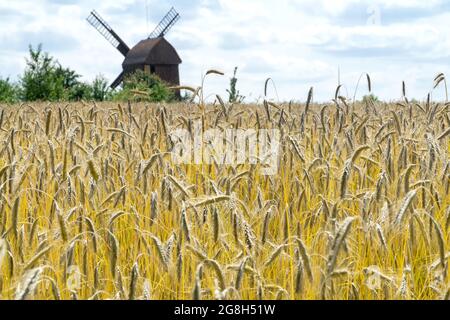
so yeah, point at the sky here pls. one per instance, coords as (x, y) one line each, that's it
(297, 43)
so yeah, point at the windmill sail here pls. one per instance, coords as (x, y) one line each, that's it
(118, 80)
(166, 23)
(107, 32)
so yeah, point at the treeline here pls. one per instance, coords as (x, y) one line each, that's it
(45, 79)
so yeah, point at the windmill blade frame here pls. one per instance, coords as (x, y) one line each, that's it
(107, 32)
(118, 80)
(166, 23)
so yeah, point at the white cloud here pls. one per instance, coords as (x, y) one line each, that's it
(297, 43)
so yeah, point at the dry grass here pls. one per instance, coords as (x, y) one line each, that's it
(362, 192)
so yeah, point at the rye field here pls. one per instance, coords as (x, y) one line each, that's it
(93, 205)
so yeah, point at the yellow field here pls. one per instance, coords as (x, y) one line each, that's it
(93, 207)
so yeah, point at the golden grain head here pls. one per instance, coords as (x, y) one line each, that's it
(361, 193)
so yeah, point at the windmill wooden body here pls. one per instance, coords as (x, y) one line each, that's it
(154, 55)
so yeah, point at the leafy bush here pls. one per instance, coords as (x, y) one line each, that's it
(8, 91)
(80, 91)
(46, 80)
(141, 86)
(370, 97)
(100, 89)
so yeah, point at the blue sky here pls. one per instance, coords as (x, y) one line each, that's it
(298, 44)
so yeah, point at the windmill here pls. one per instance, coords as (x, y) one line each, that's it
(154, 55)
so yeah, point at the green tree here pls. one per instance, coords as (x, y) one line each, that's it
(38, 81)
(45, 79)
(97, 90)
(100, 88)
(69, 78)
(80, 91)
(8, 91)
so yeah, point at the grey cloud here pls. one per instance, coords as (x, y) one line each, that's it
(52, 41)
(358, 14)
(402, 15)
(10, 15)
(10, 67)
(185, 41)
(305, 78)
(232, 41)
(368, 52)
(63, 2)
(156, 10)
(355, 15)
(257, 65)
